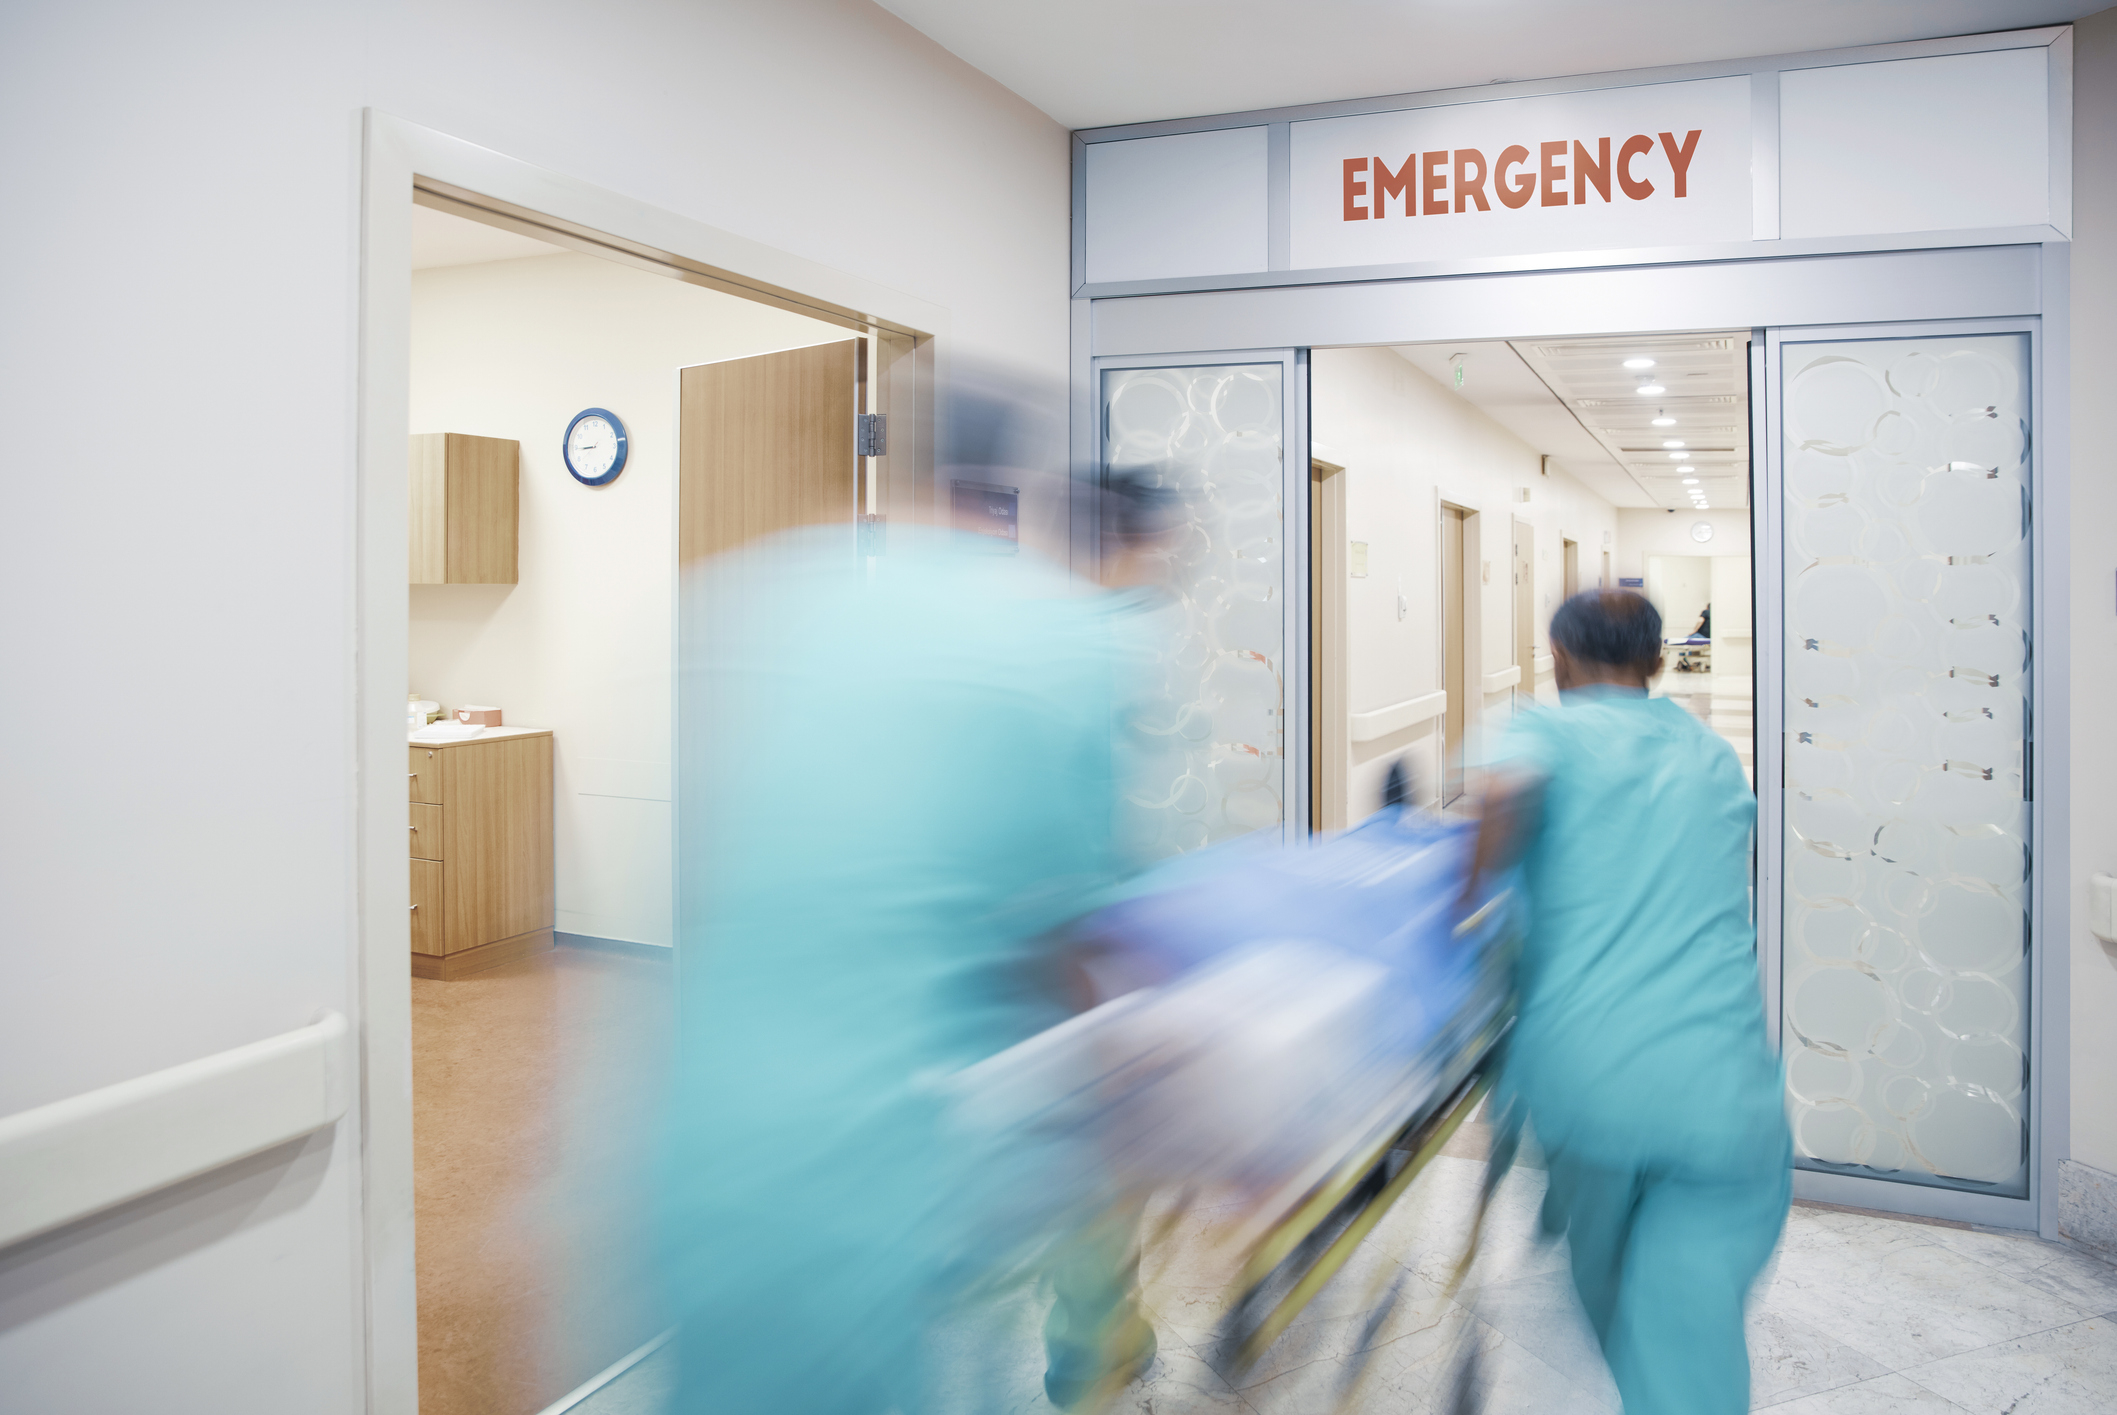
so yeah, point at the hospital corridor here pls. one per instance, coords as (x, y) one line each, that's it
(1339, 709)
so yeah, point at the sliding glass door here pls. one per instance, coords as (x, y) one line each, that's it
(1898, 829)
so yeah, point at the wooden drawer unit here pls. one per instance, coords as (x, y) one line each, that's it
(484, 859)
(426, 833)
(427, 908)
(429, 764)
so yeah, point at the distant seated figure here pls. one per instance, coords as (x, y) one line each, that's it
(1704, 630)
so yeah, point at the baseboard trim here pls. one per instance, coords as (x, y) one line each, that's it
(654, 952)
(2087, 1207)
(447, 967)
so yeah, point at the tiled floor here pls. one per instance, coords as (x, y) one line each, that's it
(1857, 1315)
(1725, 702)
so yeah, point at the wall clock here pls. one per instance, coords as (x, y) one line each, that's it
(1702, 531)
(595, 446)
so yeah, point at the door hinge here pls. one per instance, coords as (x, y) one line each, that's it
(870, 435)
(871, 529)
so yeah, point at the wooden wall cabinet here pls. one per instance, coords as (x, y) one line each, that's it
(481, 852)
(465, 509)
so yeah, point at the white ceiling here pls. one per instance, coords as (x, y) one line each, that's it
(1574, 400)
(1089, 63)
(441, 239)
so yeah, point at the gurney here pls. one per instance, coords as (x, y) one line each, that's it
(1327, 1018)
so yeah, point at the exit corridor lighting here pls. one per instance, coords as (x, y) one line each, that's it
(1648, 390)
(1639, 363)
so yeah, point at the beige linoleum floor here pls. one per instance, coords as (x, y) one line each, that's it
(1857, 1315)
(534, 1093)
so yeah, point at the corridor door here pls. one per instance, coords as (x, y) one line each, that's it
(1455, 594)
(767, 444)
(1897, 800)
(1525, 609)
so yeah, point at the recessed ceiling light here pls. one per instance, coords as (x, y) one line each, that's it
(1678, 456)
(1639, 363)
(1685, 471)
(1648, 390)
(1690, 481)
(1664, 420)
(1673, 442)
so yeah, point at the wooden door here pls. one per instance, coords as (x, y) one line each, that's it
(1454, 593)
(767, 444)
(1572, 568)
(1329, 726)
(1525, 607)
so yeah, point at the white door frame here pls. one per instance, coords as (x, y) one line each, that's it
(565, 211)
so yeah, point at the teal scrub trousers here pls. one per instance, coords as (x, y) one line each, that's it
(1663, 1257)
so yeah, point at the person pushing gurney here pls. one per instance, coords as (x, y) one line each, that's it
(1640, 1051)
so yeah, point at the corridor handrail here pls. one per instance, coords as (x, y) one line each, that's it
(1368, 726)
(72, 1158)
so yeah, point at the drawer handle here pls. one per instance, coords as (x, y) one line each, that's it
(413, 775)
(415, 908)
(415, 828)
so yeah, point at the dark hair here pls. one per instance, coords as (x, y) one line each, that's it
(1616, 628)
(1137, 507)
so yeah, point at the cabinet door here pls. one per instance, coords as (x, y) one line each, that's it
(498, 840)
(428, 931)
(428, 770)
(426, 833)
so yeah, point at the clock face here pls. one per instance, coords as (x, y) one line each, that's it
(1702, 532)
(595, 447)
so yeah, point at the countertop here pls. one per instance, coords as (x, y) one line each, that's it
(490, 734)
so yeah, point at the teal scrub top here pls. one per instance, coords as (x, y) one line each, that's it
(897, 777)
(1641, 1038)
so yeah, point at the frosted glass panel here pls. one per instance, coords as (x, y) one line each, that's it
(1211, 730)
(1906, 999)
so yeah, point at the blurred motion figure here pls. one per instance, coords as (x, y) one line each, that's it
(1640, 1052)
(901, 780)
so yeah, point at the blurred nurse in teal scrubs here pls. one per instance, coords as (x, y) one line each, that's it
(899, 774)
(1641, 1054)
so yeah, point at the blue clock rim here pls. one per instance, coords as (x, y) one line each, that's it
(624, 446)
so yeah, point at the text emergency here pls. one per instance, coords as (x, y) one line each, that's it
(1456, 180)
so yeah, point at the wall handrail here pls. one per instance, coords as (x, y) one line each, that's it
(1503, 679)
(1368, 726)
(76, 1157)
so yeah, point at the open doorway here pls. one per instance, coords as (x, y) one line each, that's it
(567, 456)
(1565, 434)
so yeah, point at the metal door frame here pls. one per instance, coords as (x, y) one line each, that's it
(2015, 286)
(2045, 990)
(1295, 729)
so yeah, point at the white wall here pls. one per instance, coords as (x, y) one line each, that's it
(581, 645)
(1643, 533)
(1680, 586)
(1407, 444)
(182, 314)
(2092, 648)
